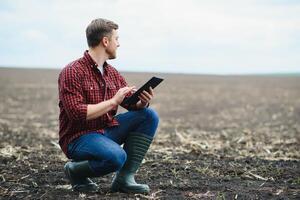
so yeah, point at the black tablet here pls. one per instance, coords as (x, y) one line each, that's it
(153, 82)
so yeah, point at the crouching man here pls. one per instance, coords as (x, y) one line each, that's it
(90, 132)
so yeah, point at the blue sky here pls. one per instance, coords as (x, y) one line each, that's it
(189, 36)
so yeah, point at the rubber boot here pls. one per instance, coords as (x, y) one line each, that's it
(78, 173)
(136, 146)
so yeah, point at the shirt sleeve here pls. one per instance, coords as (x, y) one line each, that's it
(71, 94)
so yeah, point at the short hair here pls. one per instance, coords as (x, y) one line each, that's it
(97, 29)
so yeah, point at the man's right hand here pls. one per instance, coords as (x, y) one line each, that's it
(121, 94)
(99, 109)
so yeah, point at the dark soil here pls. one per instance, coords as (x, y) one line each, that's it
(220, 137)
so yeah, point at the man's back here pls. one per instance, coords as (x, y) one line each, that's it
(81, 83)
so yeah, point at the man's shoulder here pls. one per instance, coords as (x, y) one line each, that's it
(112, 70)
(73, 68)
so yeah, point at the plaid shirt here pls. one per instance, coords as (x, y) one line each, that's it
(81, 83)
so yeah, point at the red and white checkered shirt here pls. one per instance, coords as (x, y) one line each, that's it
(81, 83)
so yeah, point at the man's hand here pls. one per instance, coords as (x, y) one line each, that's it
(146, 97)
(99, 109)
(121, 94)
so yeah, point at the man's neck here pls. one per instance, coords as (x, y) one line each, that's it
(98, 55)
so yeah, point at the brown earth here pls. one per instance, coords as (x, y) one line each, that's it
(220, 137)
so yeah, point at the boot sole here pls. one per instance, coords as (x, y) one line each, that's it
(116, 188)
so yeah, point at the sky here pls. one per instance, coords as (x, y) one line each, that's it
(188, 36)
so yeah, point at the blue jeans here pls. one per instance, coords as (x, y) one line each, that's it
(103, 151)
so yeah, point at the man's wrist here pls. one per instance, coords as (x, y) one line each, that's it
(146, 104)
(113, 103)
(141, 104)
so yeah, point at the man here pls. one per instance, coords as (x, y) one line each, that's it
(90, 132)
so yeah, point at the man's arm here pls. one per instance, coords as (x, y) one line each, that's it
(96, 110)
(70, 95)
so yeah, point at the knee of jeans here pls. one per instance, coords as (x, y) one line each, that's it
(117, 160)
(151, 115)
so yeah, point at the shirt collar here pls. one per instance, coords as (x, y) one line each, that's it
(90, 60)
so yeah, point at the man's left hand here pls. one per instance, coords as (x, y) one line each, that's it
(146, 97)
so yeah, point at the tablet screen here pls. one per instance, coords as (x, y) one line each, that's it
(153, 82)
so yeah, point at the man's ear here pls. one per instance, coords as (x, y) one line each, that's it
(105, 41)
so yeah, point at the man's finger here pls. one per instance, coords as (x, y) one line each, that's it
(151, 91)
(124, 91)
(146, 98)
(147, 94)
(143, 99)
(132, 88)
(127, 91)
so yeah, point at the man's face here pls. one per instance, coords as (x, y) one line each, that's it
(112, 46)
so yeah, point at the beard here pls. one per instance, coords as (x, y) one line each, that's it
(112, 54)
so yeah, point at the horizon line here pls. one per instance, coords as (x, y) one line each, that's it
(289, 73)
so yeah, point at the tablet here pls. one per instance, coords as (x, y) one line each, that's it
(133, 99)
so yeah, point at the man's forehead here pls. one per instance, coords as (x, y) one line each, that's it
(115, 32)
